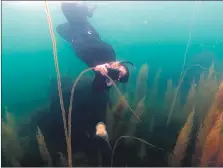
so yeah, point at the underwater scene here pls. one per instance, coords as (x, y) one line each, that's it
(112, 83)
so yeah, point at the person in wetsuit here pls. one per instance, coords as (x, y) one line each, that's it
(94, 52)
(89, 47)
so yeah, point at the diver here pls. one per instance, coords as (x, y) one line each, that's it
(91, 97)
(89, 47)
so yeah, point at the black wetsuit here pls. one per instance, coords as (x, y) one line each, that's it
(85, 40)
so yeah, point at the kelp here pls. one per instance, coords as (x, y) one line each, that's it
(141, 83)
(11, 145)
(182, 142)
(153, 96)
(140, 108)
(201, 94)
(207, 125)
(213, 144)
(44, 153)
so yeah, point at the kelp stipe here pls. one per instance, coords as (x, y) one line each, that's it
(140, 109)
(67, 126)
(181, 81)
(131, 137)
(67, 129)
(68, 139)
(72, 94)
(120, 94)
(184, 62)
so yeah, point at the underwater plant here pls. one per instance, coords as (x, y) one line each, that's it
(45, 155)
(140, 108)
(189, 105)
(134, 138)
(11, 145)
(140, 91)
(154, 92)
(219, 161)
(182, 142)
(184, 71)
(213, 144)
(67, 136)
(117, 117)
(118, 124)
(120, 106)
(141, 83)
(206, 90)
(200, 95)
(139, 99)
(63, 160)
(169, 95)
(195, 97)
(207, 125)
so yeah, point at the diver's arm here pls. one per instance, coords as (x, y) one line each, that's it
(64, 31)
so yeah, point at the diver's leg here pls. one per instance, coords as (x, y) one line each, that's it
(74, 12)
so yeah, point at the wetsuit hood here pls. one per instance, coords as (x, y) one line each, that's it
(125, 78)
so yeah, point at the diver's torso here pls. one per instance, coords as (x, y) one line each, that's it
(83, 32)
(89, 47)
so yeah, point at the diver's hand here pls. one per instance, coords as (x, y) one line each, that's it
(102, 68)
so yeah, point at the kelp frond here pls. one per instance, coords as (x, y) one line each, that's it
(141, 83)
(212, 144)
(154, 92)
(63, 160)
(182, 142)
(45, 155)
(207, 125)
(169, 94)
(11, 146)
(140, 108)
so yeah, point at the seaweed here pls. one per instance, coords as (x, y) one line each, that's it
(182, 142)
